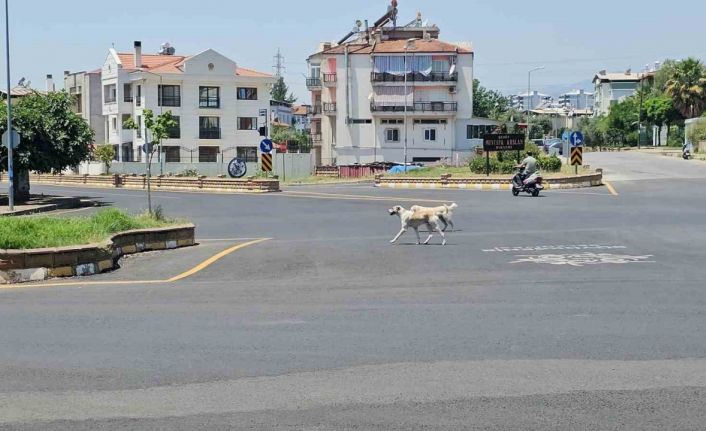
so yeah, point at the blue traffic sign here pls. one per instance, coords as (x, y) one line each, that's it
(577, 139)
(566, 136)
(266, 146)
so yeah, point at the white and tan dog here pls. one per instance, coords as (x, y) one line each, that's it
(444, 212)
(416, 219)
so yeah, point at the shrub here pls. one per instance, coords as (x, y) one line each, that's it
(533, 149)
(478, 165)
(549, 164)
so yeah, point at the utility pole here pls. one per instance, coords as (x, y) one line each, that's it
(529, 98)
(10, 173)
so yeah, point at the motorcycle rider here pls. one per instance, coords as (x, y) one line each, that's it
(527, 167)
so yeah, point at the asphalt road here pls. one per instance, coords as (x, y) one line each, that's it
(578, 310)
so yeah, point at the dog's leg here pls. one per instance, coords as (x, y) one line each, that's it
(443, 237)
(431, 232)
(443, 220)
(398, 236)
(419, 239)
(451, 223)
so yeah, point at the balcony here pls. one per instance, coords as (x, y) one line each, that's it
(316, 137)
(419, 107)
(414, 77)
(316, 109)
(313, 83)
(330, 79)
(210, 133)
(329, 108)
(128, 99)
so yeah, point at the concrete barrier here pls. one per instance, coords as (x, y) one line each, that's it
(20, 266)
(483, 183)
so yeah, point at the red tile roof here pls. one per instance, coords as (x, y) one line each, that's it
(299, 110)
(174, 64)
(397, 47)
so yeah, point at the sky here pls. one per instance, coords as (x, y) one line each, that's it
(572, 40)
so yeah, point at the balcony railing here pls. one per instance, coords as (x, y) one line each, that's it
(210, 133)
(316, 137)
(415, 107)
(313, 83)
(316, 109)
(329, 108)
(330, 79)
(414, 77)
(128, 99)
(210, 102)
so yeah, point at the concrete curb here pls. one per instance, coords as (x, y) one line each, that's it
(21, 266)
(201, 184)
(478, 184)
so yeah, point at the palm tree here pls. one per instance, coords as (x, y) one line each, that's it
(687, 87)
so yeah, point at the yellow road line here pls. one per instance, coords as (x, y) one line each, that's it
(610, 188)
(210, 261)
(198, 268)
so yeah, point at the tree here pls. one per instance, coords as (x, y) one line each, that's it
(488, 103)
(540, 126)
(687, 87)
(659, 111)
(105, 154)
(280, 91)
(158, 127)
(53, 137)
(288, 135)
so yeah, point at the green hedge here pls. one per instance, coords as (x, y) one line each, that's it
(502, 163)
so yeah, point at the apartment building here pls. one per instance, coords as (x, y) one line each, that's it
(385, 82)
(577, 100)
(301, 118)
(611, 88)
(216, 102)
(532, 100)
(85, 87)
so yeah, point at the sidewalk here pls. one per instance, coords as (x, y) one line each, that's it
(41, 204)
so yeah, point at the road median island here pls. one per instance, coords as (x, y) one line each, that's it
(36, 249)
(139, 182)
(495, 182)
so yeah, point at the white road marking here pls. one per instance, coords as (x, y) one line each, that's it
(584, 259)
(555, 247)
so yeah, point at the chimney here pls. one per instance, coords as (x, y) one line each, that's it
(138, 54)
(50, 84)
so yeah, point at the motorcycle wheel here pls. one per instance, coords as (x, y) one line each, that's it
(515, 192)
(535, 193)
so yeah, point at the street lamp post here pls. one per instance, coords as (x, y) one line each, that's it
(10, 173)
(529, 97)
(409, 45)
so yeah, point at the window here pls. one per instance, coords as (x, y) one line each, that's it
(245, 93)
(172, 153)
(139, 127)
(175, 132)
(138, 101)
(110, 93)
(169, 95)
(248, 154)
(360, 121)
(125, 117)
(114, 122)
(247, 123)
(315, 71)
(392, 135)
(209, 97)
(391, 121)
(430, 121)
(209, 128)
(127, 93)
(430, 134)
(477, 132)
(208, 154)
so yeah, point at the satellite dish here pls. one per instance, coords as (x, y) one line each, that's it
(21, 83)
(359, 23)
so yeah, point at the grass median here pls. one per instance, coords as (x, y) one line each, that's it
(42, 232)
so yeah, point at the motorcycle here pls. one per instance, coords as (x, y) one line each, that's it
(532, 185)
(686, 153)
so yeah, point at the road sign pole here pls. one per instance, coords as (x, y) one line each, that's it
(10, 167)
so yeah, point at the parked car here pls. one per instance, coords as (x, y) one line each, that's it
(554, 146)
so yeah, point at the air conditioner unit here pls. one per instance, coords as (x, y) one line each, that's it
(453, 89)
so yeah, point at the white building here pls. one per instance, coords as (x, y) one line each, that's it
(359, 95)
(577, 100)
(533, 100)
(301, 118)
(85, 87)
(281, 113)
(611, 88)
(216, 103)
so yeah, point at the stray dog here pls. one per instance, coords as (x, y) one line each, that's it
(444, 212)
(415, 219)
